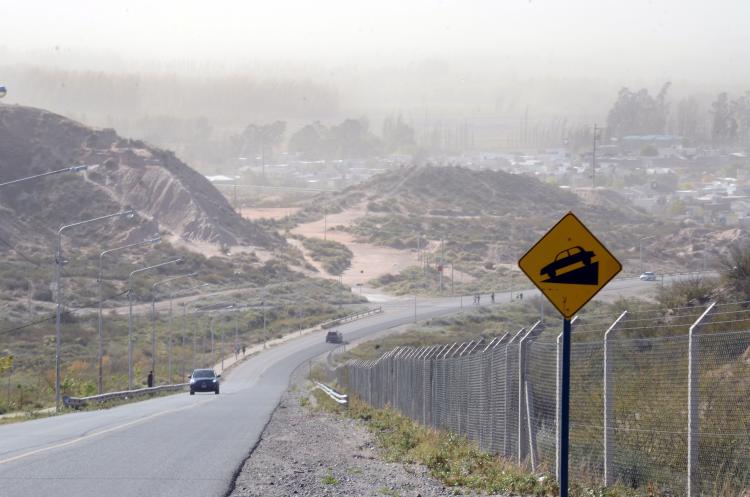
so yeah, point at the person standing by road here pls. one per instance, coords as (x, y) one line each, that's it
(492, 297)
(150, 379)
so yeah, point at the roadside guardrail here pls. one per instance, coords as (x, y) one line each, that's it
(76, 402)
(351, 317)
(340, 398)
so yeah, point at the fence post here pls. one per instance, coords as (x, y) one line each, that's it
(506, 391)
(558, 412)
(609, 428)
(693, 426)
(427, 382)
(530, 424)
(533, 332)
(558, 393)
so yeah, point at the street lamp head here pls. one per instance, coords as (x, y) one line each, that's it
(129, 214)
(156, 238)
(78, 168)
(3, 91)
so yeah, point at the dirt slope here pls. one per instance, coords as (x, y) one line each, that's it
(168, 195)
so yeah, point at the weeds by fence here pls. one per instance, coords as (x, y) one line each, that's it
(658, 399)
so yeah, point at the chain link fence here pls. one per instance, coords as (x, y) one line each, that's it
(655, 398)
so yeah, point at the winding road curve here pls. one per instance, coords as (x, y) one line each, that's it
(183, 445)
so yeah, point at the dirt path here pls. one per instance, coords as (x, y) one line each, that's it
(254, 213)
(369, 261)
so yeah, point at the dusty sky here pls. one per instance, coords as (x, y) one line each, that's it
(703, 40)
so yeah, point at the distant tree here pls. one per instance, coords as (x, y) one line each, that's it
(689, 119)
(636, 113)
(310, 141)
(736, 270)
(397, 135)
(740, 111)
(259, 139)
(579, 137)
(347, 140)
(724, 129)
(353, 139)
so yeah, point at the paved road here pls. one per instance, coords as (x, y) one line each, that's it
(181, 445)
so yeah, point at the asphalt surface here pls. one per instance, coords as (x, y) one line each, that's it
(184, 445)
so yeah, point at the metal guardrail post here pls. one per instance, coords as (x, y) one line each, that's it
(507, 414)
(609, 427)
(82, 401)
(533, 332)
(693, 426)
(530, 424)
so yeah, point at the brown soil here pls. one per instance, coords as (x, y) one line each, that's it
(255, 213)
(370, 261)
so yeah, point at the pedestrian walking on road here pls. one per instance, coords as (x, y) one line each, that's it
(492, 297)
(243, 350)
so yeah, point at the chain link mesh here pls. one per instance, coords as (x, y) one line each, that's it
(504, 394)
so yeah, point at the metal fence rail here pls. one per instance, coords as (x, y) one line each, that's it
(339, 398)
(76, 402)
(351, 317)
(654, 398)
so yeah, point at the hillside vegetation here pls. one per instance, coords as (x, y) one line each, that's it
(481, 221)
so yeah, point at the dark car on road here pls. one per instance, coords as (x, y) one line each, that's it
(334, 337)
(567, 258)
(204, 380)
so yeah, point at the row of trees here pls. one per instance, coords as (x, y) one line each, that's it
(352, 138)
(726, 122)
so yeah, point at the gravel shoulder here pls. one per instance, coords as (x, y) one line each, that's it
(306, 452)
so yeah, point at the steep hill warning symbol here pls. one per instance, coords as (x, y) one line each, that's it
(569, 265)
(574, 265)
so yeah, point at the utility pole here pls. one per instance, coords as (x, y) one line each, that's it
(263, 306)
(262, 157)
(593, 161)
(440, 264)
(415, 307)
(211, 329)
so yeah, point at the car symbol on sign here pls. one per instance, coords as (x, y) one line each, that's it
(566, 258)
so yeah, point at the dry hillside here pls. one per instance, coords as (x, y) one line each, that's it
(168, 195)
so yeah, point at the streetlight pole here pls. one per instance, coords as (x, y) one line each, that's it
(100, 281)
(169, 327)
(640, 249)
(211, 329)
(73, 169)
(130, 314)
(58, 292)
(593, 161)
(236, 332)
(196, 328)
(263, 305)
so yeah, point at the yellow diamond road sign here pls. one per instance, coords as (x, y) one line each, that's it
(569, 265)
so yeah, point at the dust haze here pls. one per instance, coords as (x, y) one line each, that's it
(144, 68)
